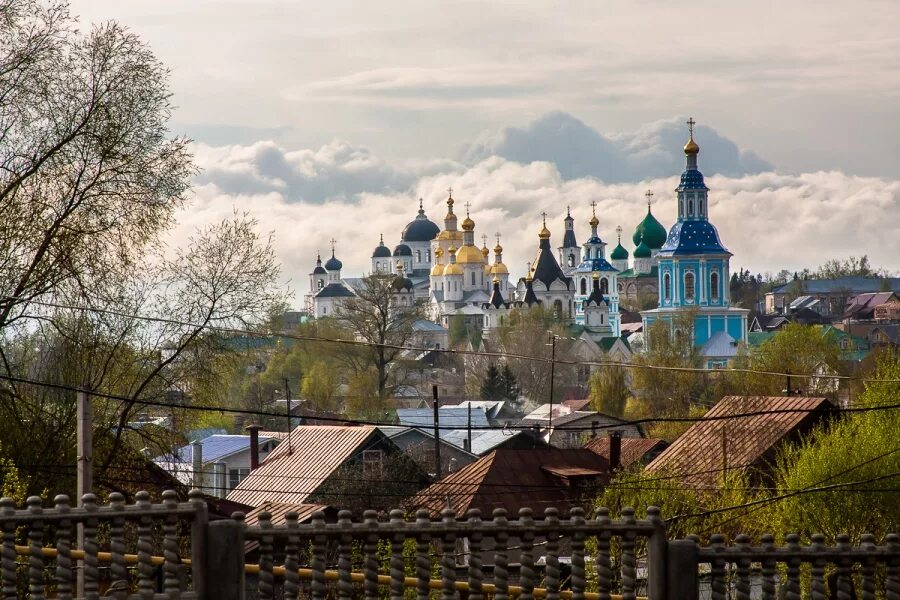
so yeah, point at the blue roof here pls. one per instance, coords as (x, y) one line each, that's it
(692, 179)
(426, 325)
(215, 447)
(483, 441)
(693, 237)
(595, 264)
(450, 417)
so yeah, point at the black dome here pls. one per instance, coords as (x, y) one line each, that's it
(402, 250)
(420, 230)
(381, 251)
(333, 264)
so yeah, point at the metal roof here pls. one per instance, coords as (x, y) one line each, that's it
(513, 479)
(633, 449)
(215, 448)
(748, 441)
(850, 283)
(450, 417)
(483, 440)
(291, 478)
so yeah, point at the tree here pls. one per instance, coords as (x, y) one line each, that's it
(509, 384)
(609, 391)
(320, 387)
(492, 384)
(384, 329)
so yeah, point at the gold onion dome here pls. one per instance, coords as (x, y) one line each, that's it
(594, 221)
(437, 270)
(453, 269)
(498, 248)
(469, 255)
(691, 147)
(468, 224)
(545, 233)
(485, 251)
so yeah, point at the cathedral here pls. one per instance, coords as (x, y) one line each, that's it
(693, 272)
(684, 270)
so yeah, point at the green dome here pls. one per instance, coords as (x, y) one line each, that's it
(642, 251)
(652, 231)
(619, 253)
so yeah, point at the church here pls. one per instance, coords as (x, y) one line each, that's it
(693, 272)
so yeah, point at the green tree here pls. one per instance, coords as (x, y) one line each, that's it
(492, 384)
(669, 392)
(320, 387)
(609, 390)
(509, 384)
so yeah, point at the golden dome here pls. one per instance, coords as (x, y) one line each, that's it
(453, 269)
(499, 269)
(485, 251)
(691, 147)
(545, 233)
(498, 248)
(452, 250)
(596, 276)
(447, 235)
(594, 221)
(468, 224)
(437, 270)
(439, 252)
(469, 255)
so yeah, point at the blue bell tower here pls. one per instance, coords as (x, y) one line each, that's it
(694, 269)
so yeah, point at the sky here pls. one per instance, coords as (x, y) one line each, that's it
(330, 119)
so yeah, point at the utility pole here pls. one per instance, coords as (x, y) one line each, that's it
(552, 345)
(469, 424)
(437, 433)
(287, 398)
(84, 468)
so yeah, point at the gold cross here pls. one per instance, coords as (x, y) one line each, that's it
(594, 207)
(498, 237)
(484, 239)
(690, 123)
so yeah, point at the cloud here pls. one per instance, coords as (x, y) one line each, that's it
(578, 150)
(335, 171)
(768, 220)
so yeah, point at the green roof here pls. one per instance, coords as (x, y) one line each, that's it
(652, 232)
(758, 338)
(630, 274)
(619, 253)
(642, 251)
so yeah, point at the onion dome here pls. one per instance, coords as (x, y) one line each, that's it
(401, 282)
(381, 251)
(691, 147)
(468, 255)
(333, 264)
(651, 231)
(499, 269)
(319, 270)
(453, 268)
(485, 252)
(420, 229)
(642, 250)
(468, 224)
(619, 252)
(402, 250)
(438, 269)
(544, 233)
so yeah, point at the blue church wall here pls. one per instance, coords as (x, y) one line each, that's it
(736, 327)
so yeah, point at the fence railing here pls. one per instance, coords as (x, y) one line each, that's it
(141, 551)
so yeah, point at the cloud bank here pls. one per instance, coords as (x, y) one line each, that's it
(768, 220)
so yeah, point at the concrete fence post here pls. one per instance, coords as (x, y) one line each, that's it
(681, 571)
(224, 565)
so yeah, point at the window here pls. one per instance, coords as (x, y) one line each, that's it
(372, 462)
(714, 286)
(619, 287)
(324, 310)
(418, 256)
(601, 318)
(845, 344)
(583, 286)
(689, 286)
(667, 287)
(557, 308)
(571, 260)
(690, 207)
(428, 256)
(320, 284)
(473, 277)
(235, 476)
(501, 320)
(604, 286)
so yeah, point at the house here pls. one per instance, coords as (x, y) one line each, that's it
(513, 479)
(862, 307)
(225, 456)
(768, 323)
(418, 444)
(355, 467)
(719, 350)
(835, 292)
(484, 441)
(570, 428)
(449, 417)
(722, 442)
(498, 412)
(852, 348)
(632, 451)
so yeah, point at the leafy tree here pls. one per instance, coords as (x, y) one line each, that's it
(320, 387)
(492, 384)
(609, 390)
(851, 266)
(669, 392)
(386, 329)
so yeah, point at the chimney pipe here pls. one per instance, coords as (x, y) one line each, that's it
(197, 464)
(254, 446)
(615, 451)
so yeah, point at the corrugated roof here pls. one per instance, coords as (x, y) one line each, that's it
(483, 440)
(512, 479)
(215, 447)
(318, 450)
(278, 512)
(698, 453)
(633, 449)
(449, 417)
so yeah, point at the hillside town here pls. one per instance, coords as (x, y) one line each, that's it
(628, 408)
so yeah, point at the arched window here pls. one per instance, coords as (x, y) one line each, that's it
(571, 260)
(604, 286)
(473, 277)
(583, 286)
(601, 318)
(714, 286)
(428, 256)
(689, 286)
(619, 287)
(324, 310)
(691, 207)
(501, 319)
(557, 308)
(667, 287)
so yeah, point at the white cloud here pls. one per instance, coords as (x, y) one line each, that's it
(768, 220)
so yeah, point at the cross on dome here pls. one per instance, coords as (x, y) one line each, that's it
(333, 242)
(690, 123)
(450, 192)
(484, 239)
(467, 205)
(649, 195)
(619, 232)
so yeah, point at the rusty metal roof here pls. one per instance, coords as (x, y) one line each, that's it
(713, 443)
(633, 449)
(290, 478)
(513, 479)
(278, 512)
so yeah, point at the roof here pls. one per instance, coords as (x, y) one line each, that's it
(215, 448)
(749, 441)
(851, 283)
(318, 451)
(450, 417)
(862, 306)
(333, 264)
(633, 450)
(546, 269)
(483, 440)
(335, 290)
(425, 325)
(757, 338)
(693, 237)
(720, 345)
(420, 229)
(513, 479)
(278, 512)
(650, 230)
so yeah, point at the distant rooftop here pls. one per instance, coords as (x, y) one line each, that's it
(853, 284)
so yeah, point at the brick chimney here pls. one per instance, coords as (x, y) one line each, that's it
(615, 451)
(254, 446)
